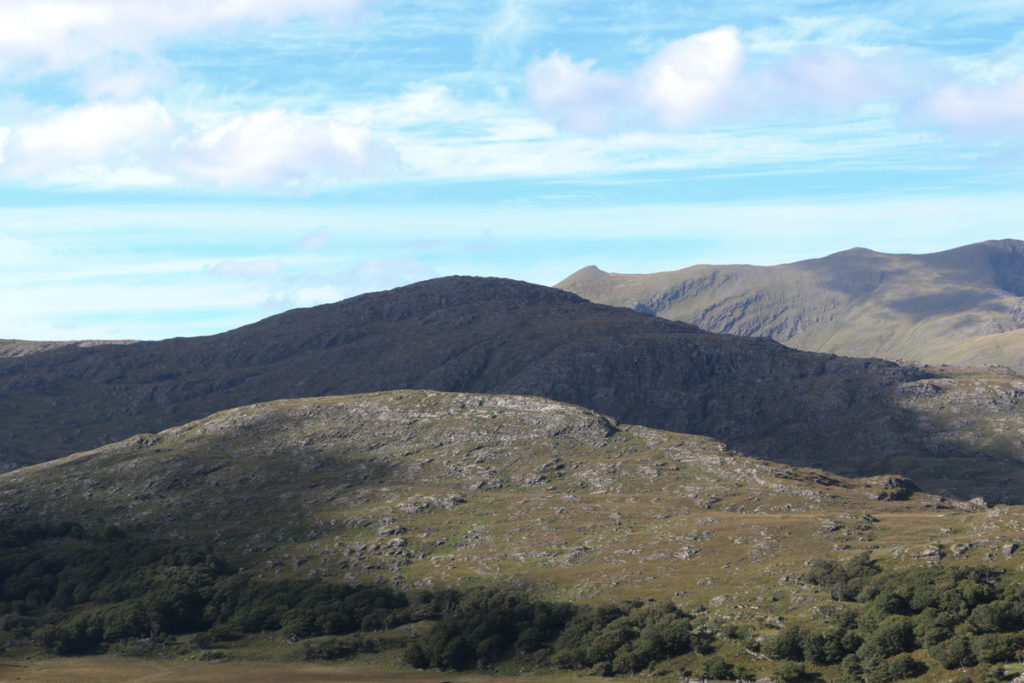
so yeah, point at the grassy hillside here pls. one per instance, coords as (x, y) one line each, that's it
(962, 306)
(421, 490)
(953, 433)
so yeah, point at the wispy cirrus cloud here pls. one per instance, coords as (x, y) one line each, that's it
(250, 269)
(61, 34)
(119, 48)
(316, 240)
(500, 43)
(857, 34)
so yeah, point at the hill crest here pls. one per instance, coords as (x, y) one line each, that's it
(424, 488)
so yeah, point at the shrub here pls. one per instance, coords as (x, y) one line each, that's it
(717, 669)
(329, 649)
(953, 653)
(787, 672)
(414, 656)
(787, 645)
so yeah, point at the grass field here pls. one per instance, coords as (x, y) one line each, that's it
(110, 669)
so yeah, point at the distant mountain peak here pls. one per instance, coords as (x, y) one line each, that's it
(961, 306)
(588, 272)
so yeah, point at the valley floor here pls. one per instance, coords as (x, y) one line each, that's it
(114, 669)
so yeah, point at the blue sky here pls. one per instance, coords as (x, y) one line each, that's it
(181, 168)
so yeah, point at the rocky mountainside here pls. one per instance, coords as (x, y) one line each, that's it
(422, 488)
(964, 306)
(953, 433)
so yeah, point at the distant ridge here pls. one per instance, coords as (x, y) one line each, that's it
(10, 348)
(964, 306)
(489, 335)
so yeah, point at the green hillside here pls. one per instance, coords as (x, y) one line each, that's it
(419, 490)
(434, 488)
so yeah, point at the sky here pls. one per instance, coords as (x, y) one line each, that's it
(178, 168)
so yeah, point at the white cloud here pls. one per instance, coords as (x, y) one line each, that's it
(500, 41)
(97, 177)
(124, 77)
(575, 96)
(98, 136)
(701, 79)
(855, 34)
(286, 150)
(56, 35)
(143, 144)
(823, 79)
(686, 82)
(683, 84)
(979, 109)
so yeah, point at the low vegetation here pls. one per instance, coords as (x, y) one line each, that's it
(462, 532)
(69, 591)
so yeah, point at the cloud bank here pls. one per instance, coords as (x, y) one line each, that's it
(144, 144)
(705, 79)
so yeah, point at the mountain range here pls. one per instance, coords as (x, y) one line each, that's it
(954, 432)
(964, 306)
(412, 477)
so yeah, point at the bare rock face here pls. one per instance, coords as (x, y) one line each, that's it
(487, 335)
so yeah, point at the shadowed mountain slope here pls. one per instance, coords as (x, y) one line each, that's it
(956, 434)
(424, 488)
(964, 306)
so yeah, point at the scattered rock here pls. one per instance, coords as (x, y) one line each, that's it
(893, 487)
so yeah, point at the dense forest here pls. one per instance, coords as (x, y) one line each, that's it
(70, 592)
